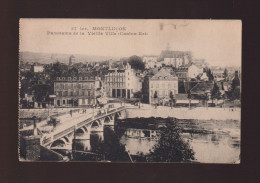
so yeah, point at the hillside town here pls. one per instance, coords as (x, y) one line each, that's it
(173, 78)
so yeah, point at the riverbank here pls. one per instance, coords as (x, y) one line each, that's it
(200, 113)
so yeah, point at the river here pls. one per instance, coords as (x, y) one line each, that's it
(213, 141)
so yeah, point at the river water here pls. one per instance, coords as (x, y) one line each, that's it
(213, 141)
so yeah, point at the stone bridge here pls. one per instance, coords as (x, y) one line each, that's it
(80, 127)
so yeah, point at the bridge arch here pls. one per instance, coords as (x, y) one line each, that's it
(95, 124)
(60, 142)
(81, 130)
(107, 119)
(66, 139)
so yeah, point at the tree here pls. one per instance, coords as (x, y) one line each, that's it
(210, 75)
(155, 96)
(189, 97)
(235, 87)
(215, 93)
(73, 72)
(171, 97)
(225, 74)
(171, 147)
(136, 62)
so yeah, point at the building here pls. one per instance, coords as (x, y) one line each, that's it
(38, 68)
(181, 73)
(202, 90)
(194, 71)
(72, 60)
(162, 83)
(122, 83)
(76, 91)
(24, 67)
(150, 61)
(175, 58)
(176, 62)
(203, 77)
(218, 73)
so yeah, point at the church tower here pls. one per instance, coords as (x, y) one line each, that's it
(71, 59)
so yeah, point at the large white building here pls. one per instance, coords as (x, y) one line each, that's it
(76, 91)
(176, 61)
(122, 83)
(163, 83)
(150, 61)
(194, 71)
(38, 68)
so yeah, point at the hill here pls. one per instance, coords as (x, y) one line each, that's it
(46, 58)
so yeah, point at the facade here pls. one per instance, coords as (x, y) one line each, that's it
(218, 74)
(176, 61)
(175, 58)
(76, 91)
(122, 83)
(162, 83)
(182, 73)
(38, 68)
(72, 59)
(194, 71)
(150, 61)
(204, 77)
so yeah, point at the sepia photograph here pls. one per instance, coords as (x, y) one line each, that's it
(130, 90)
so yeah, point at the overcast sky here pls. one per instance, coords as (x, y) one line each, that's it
(216, 41)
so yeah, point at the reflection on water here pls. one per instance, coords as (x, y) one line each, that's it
(212, 141)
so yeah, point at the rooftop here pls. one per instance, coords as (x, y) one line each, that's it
(165, 73)
(201, 88)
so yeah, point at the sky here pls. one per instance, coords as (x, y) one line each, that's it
(216, 41)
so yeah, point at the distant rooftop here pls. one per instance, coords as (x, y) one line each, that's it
(201, 88)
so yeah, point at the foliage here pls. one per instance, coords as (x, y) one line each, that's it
(171, 95)
(171, 147)
(155, 95)
(111, 147)
(236, 93)
(136, 62)
(225, 73)
(235, 87)
(209, 74)
(138, 94)
(215, 93)
(73, 72)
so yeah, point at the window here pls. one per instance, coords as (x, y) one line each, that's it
(71, 93)
(64, 102)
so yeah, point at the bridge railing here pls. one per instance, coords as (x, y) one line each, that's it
(78, 125)
(64, 132)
